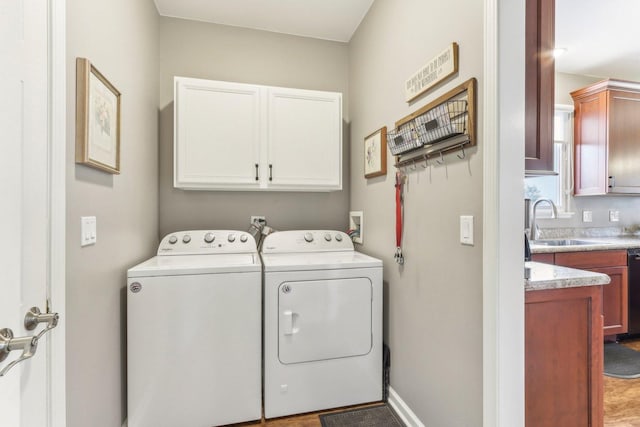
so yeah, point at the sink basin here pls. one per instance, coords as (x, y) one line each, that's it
(562, 242)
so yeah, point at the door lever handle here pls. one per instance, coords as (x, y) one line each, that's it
(35, 317)
(8, 343)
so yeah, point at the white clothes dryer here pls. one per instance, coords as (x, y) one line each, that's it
(322, 323)
(194, 332)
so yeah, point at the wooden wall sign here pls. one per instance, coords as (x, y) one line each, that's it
(433, 72)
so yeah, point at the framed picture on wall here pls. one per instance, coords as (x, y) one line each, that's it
(375, 154)
(97, 119)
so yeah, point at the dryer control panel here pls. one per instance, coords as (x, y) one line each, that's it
(307, 241)
(194, 242)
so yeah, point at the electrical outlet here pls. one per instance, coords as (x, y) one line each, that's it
(614, 216)
(260, 218)
(587, 216)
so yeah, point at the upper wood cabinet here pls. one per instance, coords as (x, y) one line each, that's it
(539, 86)
(607, 138)
(232, 136)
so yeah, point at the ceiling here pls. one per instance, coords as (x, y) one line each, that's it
(335, 20)
(601, 38)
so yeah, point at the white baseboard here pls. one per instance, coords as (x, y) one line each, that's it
(403, 410)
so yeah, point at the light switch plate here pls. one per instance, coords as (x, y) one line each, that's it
(587, 216)
(466, 229)
(88, 235)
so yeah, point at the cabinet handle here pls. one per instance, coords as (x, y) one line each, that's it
(612, 181)
(270, 172)
(257, 174)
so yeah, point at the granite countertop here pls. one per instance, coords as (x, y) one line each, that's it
(546, 276)
(597, 244)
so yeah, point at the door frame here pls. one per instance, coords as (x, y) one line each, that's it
(56, 353)
(503, 207)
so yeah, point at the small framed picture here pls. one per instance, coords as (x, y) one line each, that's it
(97, 119)
(375, 154)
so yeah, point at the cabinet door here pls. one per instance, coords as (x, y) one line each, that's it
(304, 144)
(590, 136)
(217, 135)
(624, 142)
(615, 297)
(539, 86)
(563, 358)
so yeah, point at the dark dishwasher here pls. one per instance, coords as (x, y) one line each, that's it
(633, 261)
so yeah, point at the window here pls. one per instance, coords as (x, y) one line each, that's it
(556, 187)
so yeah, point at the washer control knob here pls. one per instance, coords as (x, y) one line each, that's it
(173, 240)
(243, 238)
(209, 237)
(186, 238)
(339, 237)
(327, 237)
(232, 238)
(308, 237)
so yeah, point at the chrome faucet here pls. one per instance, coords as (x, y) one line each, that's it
(535, 232)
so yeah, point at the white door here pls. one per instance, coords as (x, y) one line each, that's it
(32, 210)
(324, 319)
(304, 139)
(217, 135)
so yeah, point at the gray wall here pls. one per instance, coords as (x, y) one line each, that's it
(629, 206)
(433, 307)
(120, 37)
(218, 52)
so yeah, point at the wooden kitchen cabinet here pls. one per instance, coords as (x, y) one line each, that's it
(233, 136)
(564, 357)
(539, 86)
(607, 138)
(615, 295)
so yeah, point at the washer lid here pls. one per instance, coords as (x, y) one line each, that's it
(318, 261)
(196, 264)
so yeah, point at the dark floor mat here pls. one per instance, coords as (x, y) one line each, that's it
(621, 361)
(374, 416)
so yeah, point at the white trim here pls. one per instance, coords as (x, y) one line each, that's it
(57, 130)
(402, 409)
(503, 164)
(490, 224)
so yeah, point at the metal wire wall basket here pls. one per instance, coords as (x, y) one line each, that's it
(437, 124)
(403, 139)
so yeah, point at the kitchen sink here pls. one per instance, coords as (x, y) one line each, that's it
(563, 242)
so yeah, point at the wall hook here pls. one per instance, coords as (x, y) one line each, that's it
(441, 161)
(463, 153)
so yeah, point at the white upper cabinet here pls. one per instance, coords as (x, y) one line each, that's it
(216, 135)
(231, 136)
(304, 139)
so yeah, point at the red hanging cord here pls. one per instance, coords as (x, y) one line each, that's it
(399, 211)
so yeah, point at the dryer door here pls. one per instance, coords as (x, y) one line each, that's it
(324, 319)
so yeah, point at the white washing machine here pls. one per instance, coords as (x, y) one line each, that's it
(322, 323)
(194, 318)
